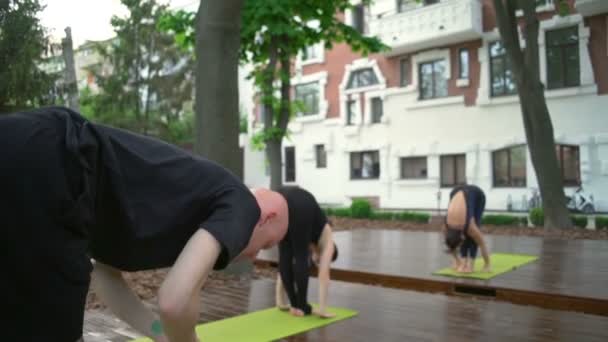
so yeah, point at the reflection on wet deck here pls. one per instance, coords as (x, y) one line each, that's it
(395, 315)
(576, 268)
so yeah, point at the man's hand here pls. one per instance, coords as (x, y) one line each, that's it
(323, 313)
(296, 312)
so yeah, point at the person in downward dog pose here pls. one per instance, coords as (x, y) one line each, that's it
(462, 228)
(308, 240)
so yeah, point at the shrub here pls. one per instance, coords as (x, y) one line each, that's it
(501, 220)
(579, 221)
(412, 217)
(523, 221)
(340, 212)
(386, 216)
(361, 209)
(601, 222)
(537, 217)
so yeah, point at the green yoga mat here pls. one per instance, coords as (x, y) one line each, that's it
(263, 326)
(500, 263)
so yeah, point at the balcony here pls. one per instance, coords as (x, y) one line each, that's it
(416, 28)
(591, 7)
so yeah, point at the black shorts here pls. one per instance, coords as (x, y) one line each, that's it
(46, 271)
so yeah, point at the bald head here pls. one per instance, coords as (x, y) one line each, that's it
(272, 225)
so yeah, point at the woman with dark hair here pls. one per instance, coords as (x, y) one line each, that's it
(309, 240)
(461, 230)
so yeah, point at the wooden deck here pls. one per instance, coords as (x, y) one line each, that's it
(569, 275)
(390, 315)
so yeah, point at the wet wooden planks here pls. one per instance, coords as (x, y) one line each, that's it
(574, 270)
(398, 315)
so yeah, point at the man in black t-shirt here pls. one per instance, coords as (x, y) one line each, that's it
(309, 239)
(73, 190)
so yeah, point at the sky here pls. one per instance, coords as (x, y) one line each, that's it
(90, 19)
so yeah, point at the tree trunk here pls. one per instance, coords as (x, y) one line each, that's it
(217, 100)
(70, 70)
(275, 145)
(535, 114)
(273, 154)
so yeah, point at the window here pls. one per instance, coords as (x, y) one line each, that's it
(433, 81)
(463, 63)
(413, 168)
(365, 165)
(569, 163)
(502, 78)
(362, 78)
(308, 94)
(404, 72)
(310, 52)
(351, 112)
(509, 166)
(563, 67)
(376, 109)
(321, 156)
(358, 18)
(290, 164)
(453, 170)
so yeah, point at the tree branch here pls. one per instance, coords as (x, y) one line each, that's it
(508, 28)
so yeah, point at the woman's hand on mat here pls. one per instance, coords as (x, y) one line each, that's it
(487, 269)
(283, 307)
(296, 312)
(323, 313)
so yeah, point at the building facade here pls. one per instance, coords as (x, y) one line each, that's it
(440, 108)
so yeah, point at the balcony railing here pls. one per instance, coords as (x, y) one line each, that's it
(420, 27)
(591, 7)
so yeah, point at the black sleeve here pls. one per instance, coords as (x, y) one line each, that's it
(286, 269)
(293, 266)
(235, 213)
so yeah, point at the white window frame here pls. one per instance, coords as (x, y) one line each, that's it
(320, 47)
(376, 89)
(321, 78)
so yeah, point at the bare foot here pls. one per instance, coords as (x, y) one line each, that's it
(296, 312)
(324, 314)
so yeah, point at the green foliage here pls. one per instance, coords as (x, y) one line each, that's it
(383, 216)
(339, 212)
(278, 30)
(412, 217)
(151, 82)
(579, 221)
(361, 208)
(601, 222)
(537, 217)
(501, 220)
(181, 25)
(23, 42)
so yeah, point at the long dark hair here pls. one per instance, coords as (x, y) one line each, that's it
(453, 238)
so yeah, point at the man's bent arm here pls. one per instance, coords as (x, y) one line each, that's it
(178, 296)
(111, 287)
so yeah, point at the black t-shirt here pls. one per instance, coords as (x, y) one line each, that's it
(306, 223)
(150, 197)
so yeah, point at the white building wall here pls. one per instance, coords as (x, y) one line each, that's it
(411, 127)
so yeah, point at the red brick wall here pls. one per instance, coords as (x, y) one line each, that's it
(334, 62)
(598, 50)
(469, 92)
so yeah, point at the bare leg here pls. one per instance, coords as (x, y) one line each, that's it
(280, 295)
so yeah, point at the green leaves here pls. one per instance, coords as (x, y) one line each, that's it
(23, 42)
